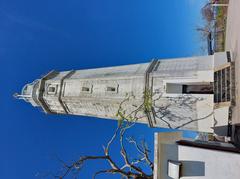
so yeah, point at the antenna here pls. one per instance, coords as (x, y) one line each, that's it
(16, 96)
(19, 96)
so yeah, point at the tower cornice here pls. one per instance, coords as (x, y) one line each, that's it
(41, 88)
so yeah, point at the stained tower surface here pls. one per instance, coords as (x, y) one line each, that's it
(174, 93)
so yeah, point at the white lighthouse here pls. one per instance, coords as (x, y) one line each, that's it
(183, 93)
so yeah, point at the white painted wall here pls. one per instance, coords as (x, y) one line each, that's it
(197, 163)
(217, 164)
(221, 115)
(205, 113)
(174, 88)
(220, 58)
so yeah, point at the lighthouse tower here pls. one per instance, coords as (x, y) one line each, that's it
(173, 93)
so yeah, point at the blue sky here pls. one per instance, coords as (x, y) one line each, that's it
(38, 36)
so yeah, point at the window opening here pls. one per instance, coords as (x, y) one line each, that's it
(85, 89)
(52, 89)
(111, 89)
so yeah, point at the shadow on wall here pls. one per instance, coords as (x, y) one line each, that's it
(222, 130)
(232, 131)
(193, 168)
(236, 135)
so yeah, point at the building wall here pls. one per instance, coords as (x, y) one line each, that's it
(165, 149)
(197, 163)
(214, 164)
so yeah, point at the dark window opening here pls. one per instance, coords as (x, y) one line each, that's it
(111, 89)
(86, 89)
(51, 89)
(197, 89)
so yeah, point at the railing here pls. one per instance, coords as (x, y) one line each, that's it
(219, 28)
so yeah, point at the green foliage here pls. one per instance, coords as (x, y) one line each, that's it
(122, 113)
(147, 101)
(131, 116)
(220, 14)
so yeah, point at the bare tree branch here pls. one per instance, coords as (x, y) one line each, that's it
(129, 170)
(143, 151)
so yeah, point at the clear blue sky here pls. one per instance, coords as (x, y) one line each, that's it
(38, 36)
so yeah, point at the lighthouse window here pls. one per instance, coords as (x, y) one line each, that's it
(111, 89)
(86, 89)
(52, 89)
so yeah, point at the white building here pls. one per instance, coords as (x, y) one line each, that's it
(176, 158)
(174, 93)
